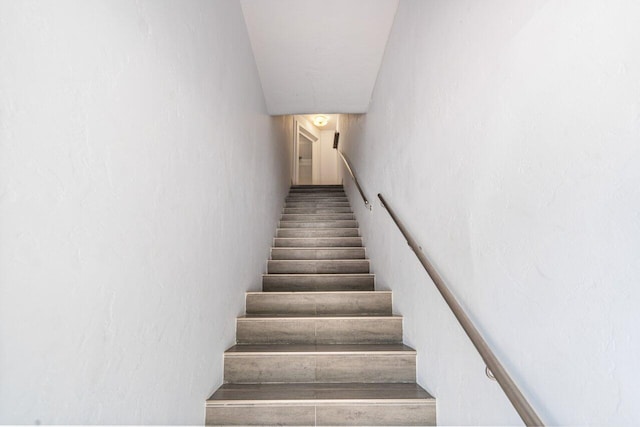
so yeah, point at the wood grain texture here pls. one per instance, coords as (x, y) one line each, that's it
(317, 253)
(318, 345)
(324, 242)
(319, 330)
(317, 282)
(323, 303)
(319, 224)
(317, 232)
(250, 415)
(310, 368)
(317, 266)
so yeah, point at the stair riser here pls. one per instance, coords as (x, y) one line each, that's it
(314, 283)
(319, 224)
(348, 330)
(322, 303)
(317, 266)
(323, 368)
(316, 199)
(252, 415)
(313, 233)
(376, 415)
(313, 186)
(317, 217)
(324, 415)
(317, 188)
(322, 242)
(312, 210)
(314, 204)
(324, 254)
(328, 187)
(323, 192)
(317, 193)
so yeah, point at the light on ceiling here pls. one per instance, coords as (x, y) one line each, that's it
(320, 120)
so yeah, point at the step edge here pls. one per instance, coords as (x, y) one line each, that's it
(307, 317)
(315, 215)
(320, 353)
(330, 237)
(426, 401)
(313, 229)
(315, 220)
(319, 248)
(319, 214)
(352, 275)
(320, 260)
(382, 292)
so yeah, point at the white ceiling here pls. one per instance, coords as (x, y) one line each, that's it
(318, 56)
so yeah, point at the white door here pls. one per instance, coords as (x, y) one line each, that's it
(305, 160)
(305, 156)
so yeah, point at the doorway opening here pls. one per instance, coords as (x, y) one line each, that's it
(314, 160)
(303, 155)
(305, 160)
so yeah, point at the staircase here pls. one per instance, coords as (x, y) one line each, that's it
(319, 346)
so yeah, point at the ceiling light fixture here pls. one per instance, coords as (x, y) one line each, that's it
(320, 120)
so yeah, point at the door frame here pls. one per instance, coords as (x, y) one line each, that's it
(299, 128)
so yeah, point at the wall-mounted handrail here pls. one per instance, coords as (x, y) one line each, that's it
(519, 402)
(348, 165)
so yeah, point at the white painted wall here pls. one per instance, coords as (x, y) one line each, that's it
(290, 131)
(505, 134)
(328, 159)
(129, 227)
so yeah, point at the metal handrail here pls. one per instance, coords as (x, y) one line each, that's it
(348, 165)
(519, 402)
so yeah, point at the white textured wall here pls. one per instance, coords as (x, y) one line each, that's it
(328, 159)
(506, 135)
(140, 184)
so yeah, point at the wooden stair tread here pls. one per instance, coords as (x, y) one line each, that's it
(319, 345)
(319, 349)
(321, 292)
(315, 316)
(319, 393)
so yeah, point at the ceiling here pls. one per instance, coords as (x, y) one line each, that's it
(318, 56)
